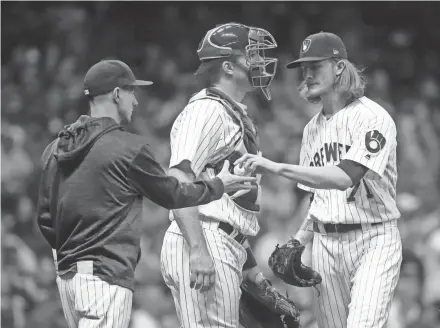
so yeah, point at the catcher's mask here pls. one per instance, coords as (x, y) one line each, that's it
(237, 39)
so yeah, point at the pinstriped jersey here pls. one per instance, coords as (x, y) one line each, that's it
(203, 133)
(363, 132)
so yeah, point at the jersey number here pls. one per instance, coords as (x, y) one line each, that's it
(351, 198)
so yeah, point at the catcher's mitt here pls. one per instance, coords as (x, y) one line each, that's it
(263, 306)
(286, 264)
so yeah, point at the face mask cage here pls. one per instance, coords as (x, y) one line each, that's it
(262, 68)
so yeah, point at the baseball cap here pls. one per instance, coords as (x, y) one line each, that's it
(106, 75)
(320, 46)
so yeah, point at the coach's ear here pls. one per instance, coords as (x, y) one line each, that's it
(115, 95)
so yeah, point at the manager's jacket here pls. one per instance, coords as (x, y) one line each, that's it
(90, 198)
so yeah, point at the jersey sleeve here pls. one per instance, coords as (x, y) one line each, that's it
(196, 133)
(150, 180)
(373, 142)
(304, 157)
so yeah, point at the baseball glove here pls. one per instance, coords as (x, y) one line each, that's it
(286, 264)
(263, 306)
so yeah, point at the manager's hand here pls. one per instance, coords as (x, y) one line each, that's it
(233, 182)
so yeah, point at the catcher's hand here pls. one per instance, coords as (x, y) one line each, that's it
(263, 306)
(286, 264)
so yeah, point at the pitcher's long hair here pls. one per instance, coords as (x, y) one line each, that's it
(351, 83)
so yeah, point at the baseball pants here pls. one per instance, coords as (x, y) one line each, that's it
(359, 272)
(218, 307)
(89, 302)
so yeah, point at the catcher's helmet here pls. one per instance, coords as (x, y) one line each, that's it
(237, 39)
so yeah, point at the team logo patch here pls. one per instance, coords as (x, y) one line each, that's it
(306, 45)
(374, 141)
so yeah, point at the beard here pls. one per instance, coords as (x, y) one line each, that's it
(309, 95)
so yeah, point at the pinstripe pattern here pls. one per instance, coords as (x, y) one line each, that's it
(89, 302)
(360, 268)
(326, 142)
(217, 307)
(202, 133)
(360, 272)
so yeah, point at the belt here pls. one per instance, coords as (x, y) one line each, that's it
(238, 236)
(340, 227)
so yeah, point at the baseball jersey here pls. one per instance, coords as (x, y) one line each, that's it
(363, 132)
(203, 133)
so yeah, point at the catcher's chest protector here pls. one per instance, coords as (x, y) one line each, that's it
(247, 143)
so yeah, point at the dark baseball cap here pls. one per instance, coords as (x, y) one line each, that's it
(320, 46)
(106, 75)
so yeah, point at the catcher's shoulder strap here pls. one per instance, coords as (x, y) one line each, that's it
(228, 104)
(249, 133)
(248, 138)
(249, 130)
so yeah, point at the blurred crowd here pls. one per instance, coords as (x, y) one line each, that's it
(47, 48)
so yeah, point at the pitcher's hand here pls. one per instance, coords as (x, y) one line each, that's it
(256, 164)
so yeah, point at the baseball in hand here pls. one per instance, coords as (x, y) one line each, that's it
(241, 171)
